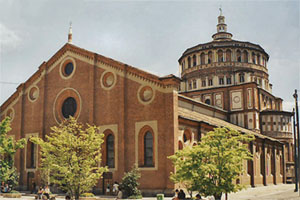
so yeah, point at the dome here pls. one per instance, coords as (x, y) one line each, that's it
(224, 61)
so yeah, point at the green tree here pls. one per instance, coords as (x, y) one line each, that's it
(211, 166)
(8, 148)
(71, 154)
(130, 183)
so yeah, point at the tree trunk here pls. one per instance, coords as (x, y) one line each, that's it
(77, 195)
(218, 196)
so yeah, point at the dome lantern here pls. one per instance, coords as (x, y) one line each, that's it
(222, 33)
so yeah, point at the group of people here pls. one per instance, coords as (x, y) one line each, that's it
(5, 187)
(43, 193)
(180, 195)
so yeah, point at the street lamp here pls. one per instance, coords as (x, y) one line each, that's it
(297, 125)
(295, 153)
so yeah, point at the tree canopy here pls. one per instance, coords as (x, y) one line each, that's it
(8, 148)
(211, 166)
(71, 155)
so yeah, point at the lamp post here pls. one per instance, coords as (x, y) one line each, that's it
(295, 153)
(297, 124)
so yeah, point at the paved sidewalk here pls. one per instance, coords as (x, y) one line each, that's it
(273, 192)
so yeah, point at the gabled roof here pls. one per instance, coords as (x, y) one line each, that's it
(90, 55)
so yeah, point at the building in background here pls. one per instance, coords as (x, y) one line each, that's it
(146, 118)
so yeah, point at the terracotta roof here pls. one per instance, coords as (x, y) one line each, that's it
(195, 116)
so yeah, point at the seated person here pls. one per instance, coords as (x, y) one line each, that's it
(40, 193)
(47, 192)
(6, 188)
(2, 186)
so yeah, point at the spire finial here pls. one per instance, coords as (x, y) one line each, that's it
(220, 9)
(70, 34)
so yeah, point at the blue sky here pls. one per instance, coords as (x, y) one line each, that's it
(150, 35)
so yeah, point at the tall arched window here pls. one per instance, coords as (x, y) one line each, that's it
(258, 59)
(238, 56)
(242, 78)
(110, 151)
(194, 60)
(228, 55)
(220, 56)
(202, 58)
(253, 58)
(148, 149)
(245, 56)
(31, 160)
(209, 57)
(189, 62)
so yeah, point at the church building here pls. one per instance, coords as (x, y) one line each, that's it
(146, 118)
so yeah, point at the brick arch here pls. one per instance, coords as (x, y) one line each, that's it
(180, 145)
(106, 133)
(187, 135)
(141, 146)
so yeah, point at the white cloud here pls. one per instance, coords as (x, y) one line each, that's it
(8, 38)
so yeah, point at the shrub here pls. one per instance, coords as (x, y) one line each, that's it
(130, 183)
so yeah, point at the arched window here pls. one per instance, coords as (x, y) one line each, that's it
(148, 149)
(238, 56)
(258, 59)
(209, 57)
(228, 55)
(202, 58)
(189, 62)
(253, 58)
(245, 56)
(190, 85)
(194, 84)
(194, 60)
(183, 66)
(220, 56)
(110, 153)
(242, 78)
(31, 160)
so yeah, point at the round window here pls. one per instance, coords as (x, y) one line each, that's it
(207, 101)
(69, 107)
(33, 93)
(146, 94)
(68, 69)
(108, 79)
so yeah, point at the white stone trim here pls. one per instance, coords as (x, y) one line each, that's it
(138, 127)
(62, 64)
(114, 129)
(54, 104)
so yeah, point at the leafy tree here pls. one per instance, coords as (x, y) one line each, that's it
(130, 183)
(211, 166)
(71, 154)
(8, 148)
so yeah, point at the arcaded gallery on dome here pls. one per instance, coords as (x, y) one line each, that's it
(146, 118)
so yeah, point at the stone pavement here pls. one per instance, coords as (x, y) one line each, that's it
(273, 192)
